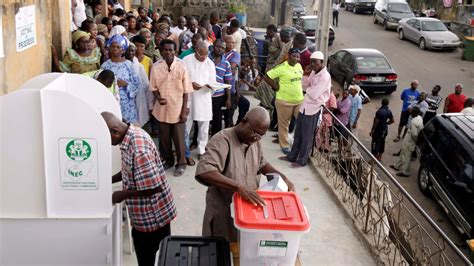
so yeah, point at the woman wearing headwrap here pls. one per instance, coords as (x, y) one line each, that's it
(277, 52)
(78, 59)
(150, 44)
(118, 30)
(127, 78)
(145, 98)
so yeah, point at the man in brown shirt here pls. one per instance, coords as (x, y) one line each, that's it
(231, 163)
(171, 85)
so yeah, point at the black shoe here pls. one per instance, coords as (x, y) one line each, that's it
(403, 175)
(167, 166)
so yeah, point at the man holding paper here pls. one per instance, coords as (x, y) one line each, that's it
(201, 72)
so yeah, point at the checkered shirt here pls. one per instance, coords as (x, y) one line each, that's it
(142, 170)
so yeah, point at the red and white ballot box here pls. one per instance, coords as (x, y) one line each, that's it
(270, 235)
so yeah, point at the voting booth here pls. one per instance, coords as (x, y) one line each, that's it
(55, 174)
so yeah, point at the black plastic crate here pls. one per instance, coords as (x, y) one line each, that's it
(195, 251)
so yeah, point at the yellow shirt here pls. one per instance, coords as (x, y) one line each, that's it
(147, 63)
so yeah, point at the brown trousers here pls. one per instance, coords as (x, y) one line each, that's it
(169, 134)
(285, 111)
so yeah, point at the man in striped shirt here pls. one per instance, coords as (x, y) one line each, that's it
(145, 189)
(220, 97)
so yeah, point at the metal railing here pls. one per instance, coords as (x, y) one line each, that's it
(395, 225)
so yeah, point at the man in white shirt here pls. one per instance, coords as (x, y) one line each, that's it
(409, 144)
(180, 27)
(234, 30)
(202, 72)
(468, 107)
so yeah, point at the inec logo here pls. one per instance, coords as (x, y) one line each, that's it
(78, 150)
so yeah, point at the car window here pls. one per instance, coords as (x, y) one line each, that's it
(411, 22)
(347, 60)
(451, 152)
(399, 8)
(310, 24)
(339, 55)
(416, 24)
(364, 62)
(433, 26)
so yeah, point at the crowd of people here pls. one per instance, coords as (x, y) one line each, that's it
(179, 81)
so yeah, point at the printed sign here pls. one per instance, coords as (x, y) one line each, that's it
(78, 163)
(25, 26)
(268, 248)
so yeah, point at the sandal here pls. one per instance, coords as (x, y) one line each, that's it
(275, 141)
(397, 139)
(179, 171)
(190, 161)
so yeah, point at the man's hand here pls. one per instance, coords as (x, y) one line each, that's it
(122, 83)
(228, 104)
(371, 132)
(291, 186)
(307, 71)
(162, 101)
(196, 86)
(117, 197)
(251, 196)
(183, 116)
(354, 125)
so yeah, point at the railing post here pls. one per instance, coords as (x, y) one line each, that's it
(369, 198)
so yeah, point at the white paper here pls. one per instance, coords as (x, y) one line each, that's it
(219, 86)
(2, 54)
(25, 28)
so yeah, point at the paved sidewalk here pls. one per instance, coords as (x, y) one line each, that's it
(331, 240)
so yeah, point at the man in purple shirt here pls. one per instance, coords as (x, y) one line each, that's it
(317, 84)
(342, 114)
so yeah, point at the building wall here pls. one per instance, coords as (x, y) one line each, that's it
(18, 67)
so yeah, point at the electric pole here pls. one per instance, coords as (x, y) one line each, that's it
(323, 29)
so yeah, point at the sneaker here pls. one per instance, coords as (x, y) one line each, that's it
(285, 150)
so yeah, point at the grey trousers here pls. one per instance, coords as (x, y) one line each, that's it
(303, 139)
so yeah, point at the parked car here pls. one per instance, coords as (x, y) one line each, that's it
(390, 12)
(358, 6)
(299, 9)
(367, 67)
(428, 33)
(445, 148)
(309, 26)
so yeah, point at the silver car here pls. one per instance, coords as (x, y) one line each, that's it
(428, 33)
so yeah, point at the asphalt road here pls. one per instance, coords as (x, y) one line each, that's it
(428, 67)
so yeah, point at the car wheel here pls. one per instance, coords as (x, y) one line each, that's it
(424, 182)
(401, 35)
(422, 44)
(385, 25)
(374, 19)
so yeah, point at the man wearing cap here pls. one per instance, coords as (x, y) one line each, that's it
(289, 93)
(356, 108)
(317, 85)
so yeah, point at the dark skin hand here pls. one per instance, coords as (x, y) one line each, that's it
(271, 82)
(119, 196)
(215, 178)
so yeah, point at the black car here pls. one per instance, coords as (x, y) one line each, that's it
(445, 148)
(359, 6)
(309, 26)
(367, 67)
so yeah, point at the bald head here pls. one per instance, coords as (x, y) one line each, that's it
(117, 128)
(258, 115)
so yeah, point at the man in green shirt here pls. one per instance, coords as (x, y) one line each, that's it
(289, 93)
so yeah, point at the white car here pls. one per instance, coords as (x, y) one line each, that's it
(428, 33)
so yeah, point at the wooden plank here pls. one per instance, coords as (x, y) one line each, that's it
(234, 248)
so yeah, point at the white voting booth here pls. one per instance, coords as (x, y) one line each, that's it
(55, 174)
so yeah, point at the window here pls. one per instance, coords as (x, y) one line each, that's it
(347, 60)
(411, 22)
(371, 63)
(338, 56)
(399, 8)
(433, 26)
(416, 24)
